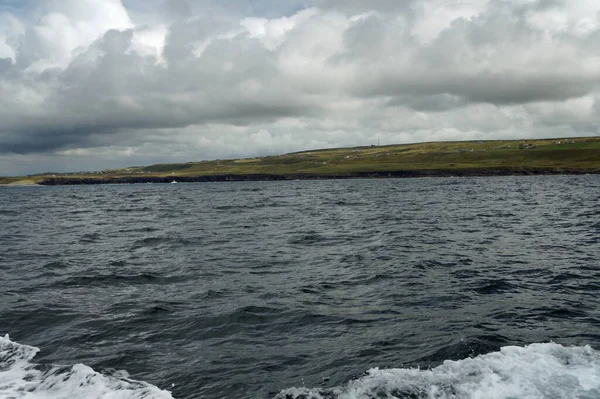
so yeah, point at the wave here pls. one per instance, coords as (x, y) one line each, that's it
(20, 378)
(537, 371)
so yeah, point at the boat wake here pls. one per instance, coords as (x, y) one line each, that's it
(21, 378)
(537, 371)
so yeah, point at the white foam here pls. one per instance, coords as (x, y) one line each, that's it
(537, 371)
(22, 379)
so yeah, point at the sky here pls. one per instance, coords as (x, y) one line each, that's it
(101, 84)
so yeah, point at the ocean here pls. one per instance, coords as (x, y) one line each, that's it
(378, 288)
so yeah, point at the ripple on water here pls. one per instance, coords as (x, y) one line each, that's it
(250, 289)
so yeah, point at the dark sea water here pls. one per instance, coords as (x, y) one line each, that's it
(408, 288)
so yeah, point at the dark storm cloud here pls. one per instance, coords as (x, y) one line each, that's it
(5, 65)
(107, 89)
(468, 60)
(428, 103)
(44, 139)
(499, 89)
(360, 6)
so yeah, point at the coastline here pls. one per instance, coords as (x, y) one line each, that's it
(416, 173)
(573, 156)
(20, 183)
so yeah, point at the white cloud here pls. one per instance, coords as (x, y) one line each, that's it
(150, 41)
(578, 18)
(272, 32)
(67, 25)
(438, 15)
(10, 30)
(85, 82)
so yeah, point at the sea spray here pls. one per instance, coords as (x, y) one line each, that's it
(537, 371)
(21, 378)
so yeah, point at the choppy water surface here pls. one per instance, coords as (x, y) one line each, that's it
(303, 289)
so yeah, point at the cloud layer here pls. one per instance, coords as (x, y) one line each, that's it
(92, 84)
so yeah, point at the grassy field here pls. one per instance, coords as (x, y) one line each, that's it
(572, 154)
(22, 181)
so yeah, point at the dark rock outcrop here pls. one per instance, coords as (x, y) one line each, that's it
(356, 175)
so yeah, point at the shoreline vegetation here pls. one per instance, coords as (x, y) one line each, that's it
(577, 155)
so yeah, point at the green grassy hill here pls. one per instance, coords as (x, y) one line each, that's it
(547, 155)
(581, 153)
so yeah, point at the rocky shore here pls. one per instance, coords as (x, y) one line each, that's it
(62, 180)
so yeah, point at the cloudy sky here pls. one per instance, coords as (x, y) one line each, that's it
(95, 84)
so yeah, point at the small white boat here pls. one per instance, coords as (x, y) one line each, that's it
(173, 182)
